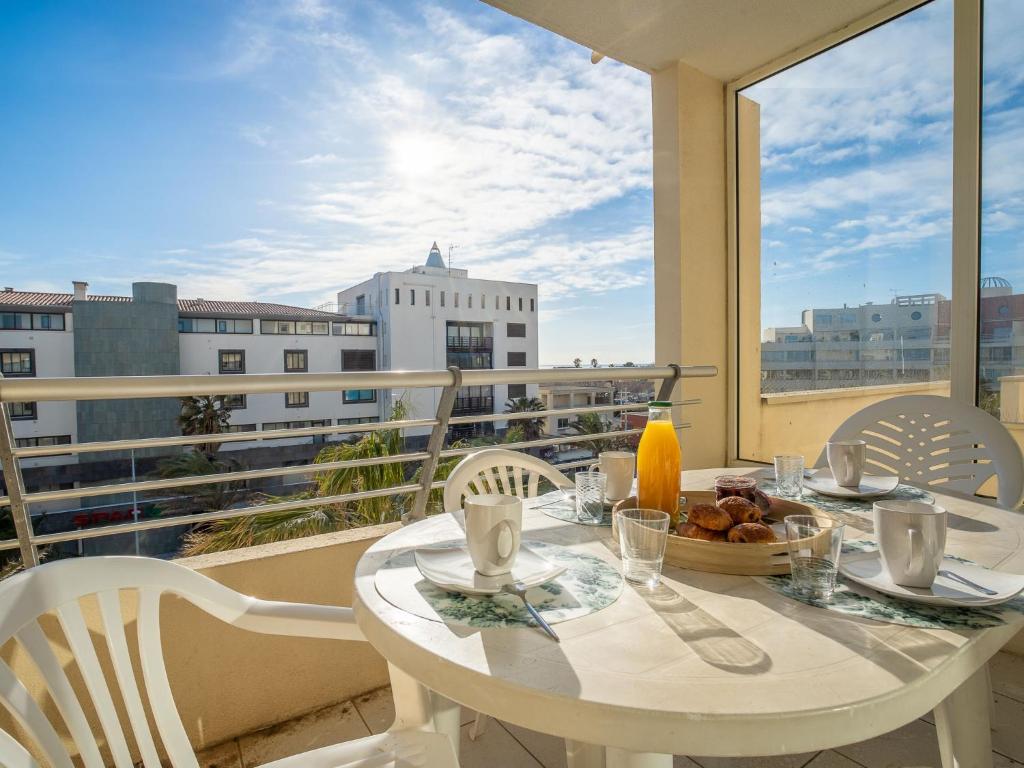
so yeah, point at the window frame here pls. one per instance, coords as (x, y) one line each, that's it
(303, 403)
(510, 364)
(966, 203)
(305, 360)
(19, 350)
(220, 361)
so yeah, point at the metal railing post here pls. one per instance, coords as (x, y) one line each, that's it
(16, 490)
(669, 385)
(435, 444)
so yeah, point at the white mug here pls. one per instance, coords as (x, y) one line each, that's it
(619, 466)
(846, 460)
(494, 525)
(912, 540)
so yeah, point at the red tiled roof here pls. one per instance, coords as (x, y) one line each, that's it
(39, 300)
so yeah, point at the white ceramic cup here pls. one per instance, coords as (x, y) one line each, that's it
(846, 460)
(494, 525)
(912, 540)
(619, 466)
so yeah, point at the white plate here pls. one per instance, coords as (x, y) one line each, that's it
(870, 485)
(866, 568)
(452, 570)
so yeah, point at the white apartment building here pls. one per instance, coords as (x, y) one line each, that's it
(153, 332)
(431, 316)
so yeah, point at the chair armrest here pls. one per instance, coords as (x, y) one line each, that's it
(271, 617)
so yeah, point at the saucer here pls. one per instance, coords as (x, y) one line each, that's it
(866, 569)
(452, 569)
(821, 481)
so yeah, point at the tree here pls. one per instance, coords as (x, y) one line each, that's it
(204, 415)
(191, 499)
(629, 364)
(593, 424)
(593, 362)
(577, 363)
(531, 428)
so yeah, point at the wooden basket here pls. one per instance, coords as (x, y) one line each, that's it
(741, 559)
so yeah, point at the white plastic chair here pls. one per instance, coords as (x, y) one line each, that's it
(498, 470)
(57, 587)
(939, 442)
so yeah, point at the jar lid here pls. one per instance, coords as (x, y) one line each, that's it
(659, 404)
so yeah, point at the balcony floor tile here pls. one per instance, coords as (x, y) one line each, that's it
(330, 725)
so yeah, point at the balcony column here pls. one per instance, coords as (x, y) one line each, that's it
(690, 249)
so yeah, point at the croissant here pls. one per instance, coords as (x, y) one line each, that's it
(740, 510)
(751, 533)
(691, 531)
(709, 516)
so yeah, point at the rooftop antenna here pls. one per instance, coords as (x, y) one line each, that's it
(451, 247)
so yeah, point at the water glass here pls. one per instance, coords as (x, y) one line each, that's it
(814, 545)
(789, 475)
(590, 487)
(643, 534)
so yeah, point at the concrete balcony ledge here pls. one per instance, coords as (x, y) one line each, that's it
(880, 391)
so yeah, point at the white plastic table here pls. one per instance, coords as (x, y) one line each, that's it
(707, 664)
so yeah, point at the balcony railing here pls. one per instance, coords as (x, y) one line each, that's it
(470, 344)
(134, 387)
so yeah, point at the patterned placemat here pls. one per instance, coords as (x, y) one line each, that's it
(562, 507)
(588, 585)
(854, 599)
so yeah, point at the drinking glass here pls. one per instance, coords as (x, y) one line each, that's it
(643, 534)
(590, 496)
(814, 545)
(789, 475)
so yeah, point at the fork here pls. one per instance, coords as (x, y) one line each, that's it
(967, 582)
(519, 590)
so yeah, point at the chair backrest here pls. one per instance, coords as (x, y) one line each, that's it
(936, 441)
(497, 470)
(57, 588)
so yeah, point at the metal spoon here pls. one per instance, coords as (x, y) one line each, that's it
(519, 590)
(967, 582)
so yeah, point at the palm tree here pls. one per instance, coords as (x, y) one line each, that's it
(577, 363)
(531, 428)
(199, 498)
(593, 362)
(593, 424)
(204, 415)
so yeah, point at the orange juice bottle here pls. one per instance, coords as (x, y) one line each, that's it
(657, 462)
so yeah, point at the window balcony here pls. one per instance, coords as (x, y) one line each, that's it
(470, 405)
(470, 343)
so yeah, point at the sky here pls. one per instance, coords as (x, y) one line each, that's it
(284, 149)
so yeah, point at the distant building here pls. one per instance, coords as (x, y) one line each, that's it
(557, 396)
(906, 340)
(429, 317)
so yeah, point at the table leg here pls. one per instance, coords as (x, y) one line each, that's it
(416, 706)
(962, 721)
(620, 758)
(581, 755)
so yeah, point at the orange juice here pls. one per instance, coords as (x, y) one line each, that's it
(657, 463)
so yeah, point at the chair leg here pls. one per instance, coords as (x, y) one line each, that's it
(476, 730)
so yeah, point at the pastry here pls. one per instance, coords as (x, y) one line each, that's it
(740, 510)
(751, 533)
(711, 517)
(691, 531)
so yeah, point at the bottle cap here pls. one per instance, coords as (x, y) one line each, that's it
(659, 404)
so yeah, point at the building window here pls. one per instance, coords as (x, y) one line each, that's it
(354, 329)
(398, 296)
(296, 399)
(36, 321)
(234, 402)
(563, 423)
(469, 300)
(241, 427)
(520, 303)
(426, 298)
(516, 359)
(483, 301)
(39, 442)
(272, 425)
(442, 298)
(497, 302)
(22, 411)
(508, 303)
(915, 315)
(359, 360)
(412, 296)
(531, 305)
(18, 362)
(296, 361)
(213, 325)
(515, 330)
(361, 304)
(231, 360)
(457, 300)
(358, 420)
(515, 391)
(296, 328)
